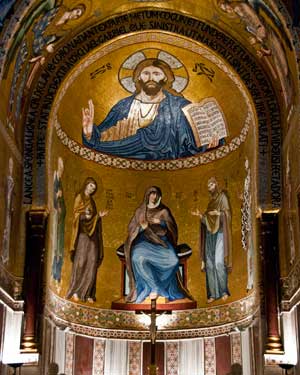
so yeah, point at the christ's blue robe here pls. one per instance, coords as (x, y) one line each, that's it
(169, 136)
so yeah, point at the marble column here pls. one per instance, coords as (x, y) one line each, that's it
(36, 221)
(270, 253)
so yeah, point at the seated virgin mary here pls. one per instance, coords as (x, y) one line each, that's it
(150, 252)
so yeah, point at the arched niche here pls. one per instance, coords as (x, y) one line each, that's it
(92, 66)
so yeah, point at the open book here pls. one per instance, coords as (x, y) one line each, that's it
(207, 121)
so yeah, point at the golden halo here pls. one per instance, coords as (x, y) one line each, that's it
(128, 66)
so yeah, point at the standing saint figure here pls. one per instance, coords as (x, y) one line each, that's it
(150, 252)
(86, 244)
(10, 184)
(247, 226)
(59, 222)
(150, 124)
(215, 242)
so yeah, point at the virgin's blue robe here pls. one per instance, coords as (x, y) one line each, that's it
(169, 136)
(155, 267)
(150, 252)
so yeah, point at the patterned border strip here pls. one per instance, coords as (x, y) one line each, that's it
(70, 347)
(185, 319)
(236, 353)
(290, 288)
(209, 356)
(144, 335)
(122, 163)
(204, 332)
(172, 358)
(134, 357)
(11, 144)
(140, 165)
(99, 357)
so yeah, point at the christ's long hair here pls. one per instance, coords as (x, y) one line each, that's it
(167, 85)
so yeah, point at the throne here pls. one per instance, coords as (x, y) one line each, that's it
(183, 252)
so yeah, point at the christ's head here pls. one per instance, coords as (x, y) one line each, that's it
(152, 75)
(152, 80)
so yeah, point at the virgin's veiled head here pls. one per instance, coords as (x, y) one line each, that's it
(152, 190)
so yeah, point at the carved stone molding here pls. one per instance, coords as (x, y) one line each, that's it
(10, 284)
(126, 324)
(161, 334)
(290, 288)
(16, 305)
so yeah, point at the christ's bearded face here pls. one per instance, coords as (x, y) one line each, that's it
(152, 80)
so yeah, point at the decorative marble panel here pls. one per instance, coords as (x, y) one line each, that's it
(172, 357)
(210, 356)
(98, 357)
(135, 355)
